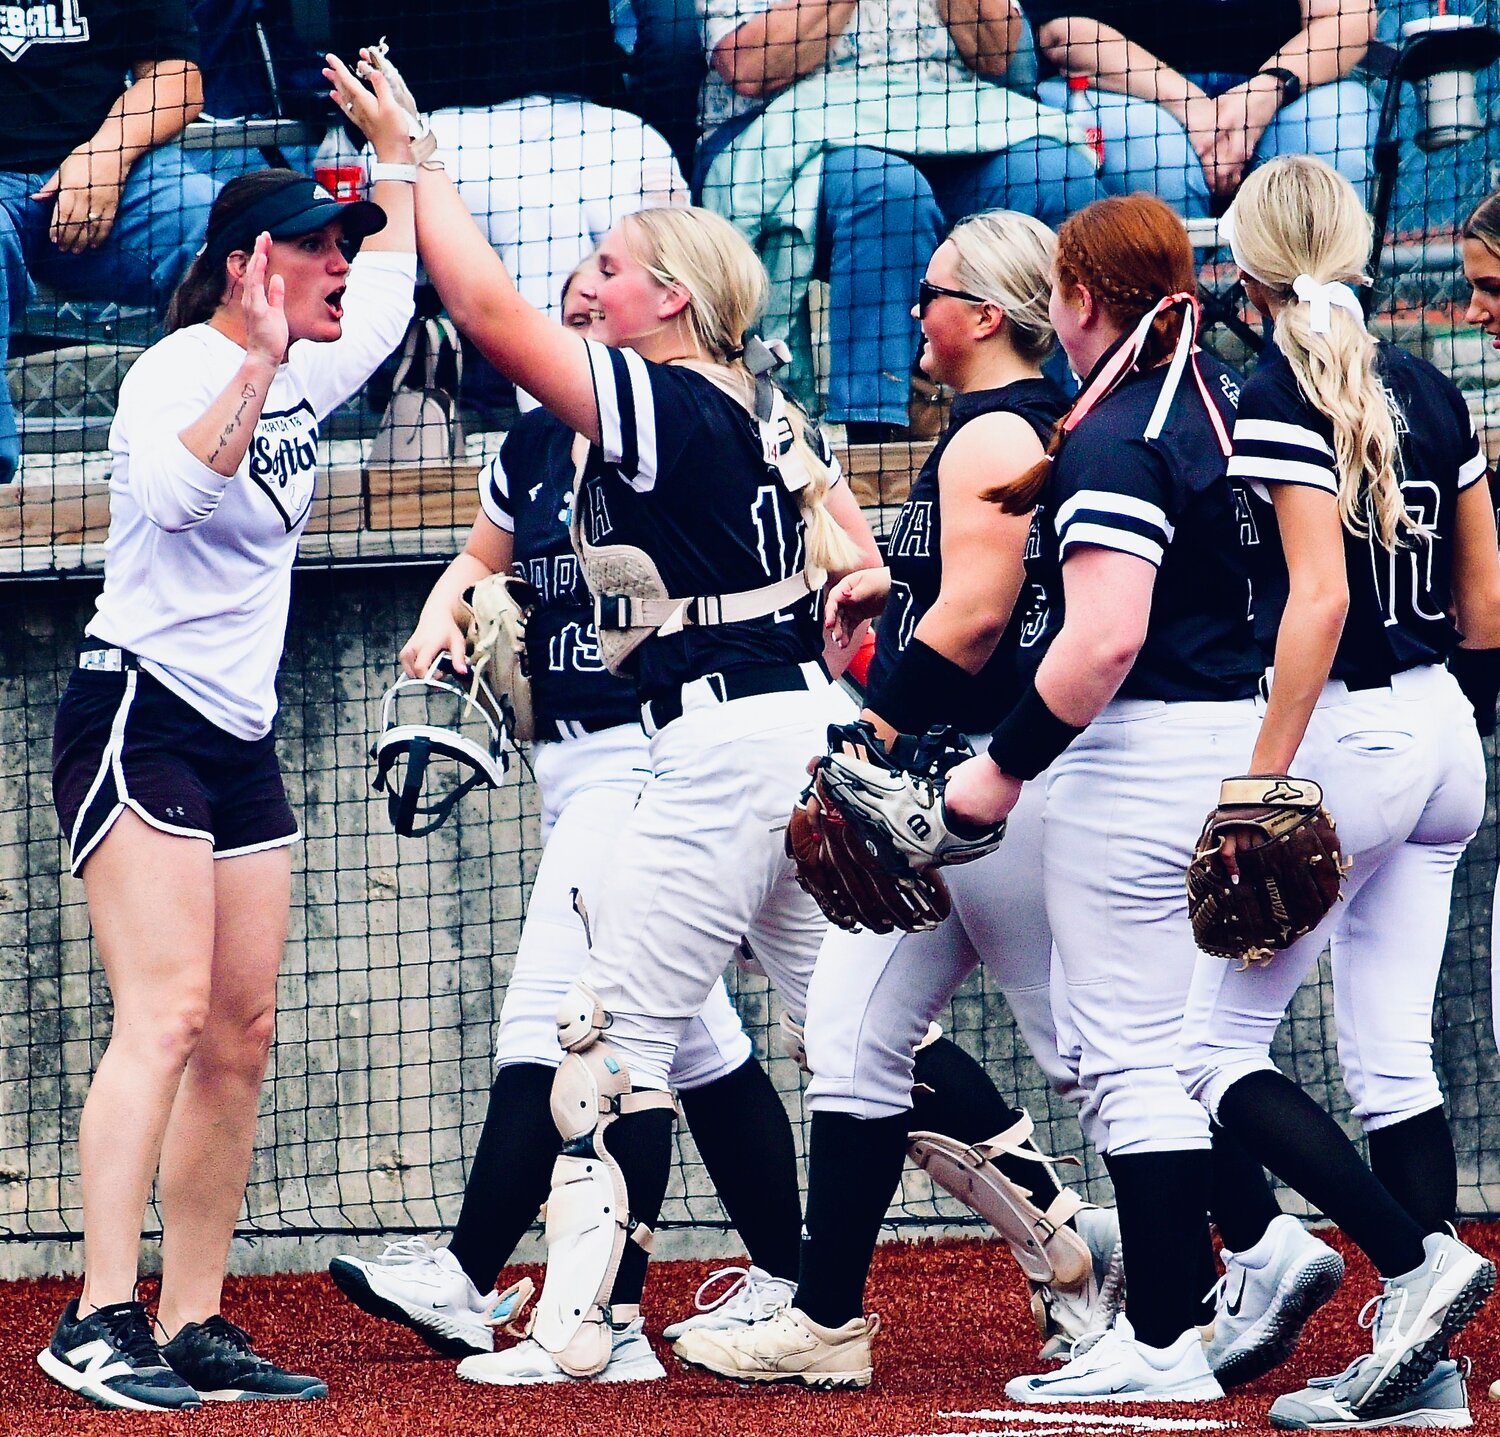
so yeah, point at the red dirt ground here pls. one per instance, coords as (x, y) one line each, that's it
(956, 1328)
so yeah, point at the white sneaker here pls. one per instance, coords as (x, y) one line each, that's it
(1070, 1319)
(1265, 1297)
(1117, 1368)
(630, 1360)
(752, 1295)
(422, 1288)
(1413, 1317)
(786, 1347)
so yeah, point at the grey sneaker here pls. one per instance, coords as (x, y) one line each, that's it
(1265, 1298)
(1413, 1317)
(1069, 1319)
(1440, 1399)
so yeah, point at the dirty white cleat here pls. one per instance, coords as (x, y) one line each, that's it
(422, 1288)
(787, 1347)
(1070, 1318)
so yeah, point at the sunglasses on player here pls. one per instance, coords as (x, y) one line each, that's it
(927, 292)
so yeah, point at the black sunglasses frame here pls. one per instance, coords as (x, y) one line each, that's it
(927, 292)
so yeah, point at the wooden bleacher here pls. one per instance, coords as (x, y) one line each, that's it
(359, 514)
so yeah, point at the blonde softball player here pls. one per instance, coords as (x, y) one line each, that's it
(1372, 526)
(590, 760)
(955, 570)
(700, 519)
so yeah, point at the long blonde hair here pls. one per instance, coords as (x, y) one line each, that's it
(1296, 216)
(726, 285)
(1007, 257)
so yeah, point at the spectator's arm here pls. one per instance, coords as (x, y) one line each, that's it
(1080, 46)
(1333, 40)
(986, 32)
(788, 41)
(165, 98)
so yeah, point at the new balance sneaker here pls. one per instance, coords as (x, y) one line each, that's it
(751, 1295)
(1070, 1319)
(1412, 1319)
(1118, 1368)
(1265, 1297)
(787, 1347)
(630, 1360)
(216, 1357)
(111, 1358)
(422, 1288)
(1441, 1399)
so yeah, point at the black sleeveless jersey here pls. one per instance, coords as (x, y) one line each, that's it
(528, 490)
(914, 554)
(682, 474)
(1398, 599)
(1167, 500)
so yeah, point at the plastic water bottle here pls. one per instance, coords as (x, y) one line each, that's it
(338, 167)
(1081, 107)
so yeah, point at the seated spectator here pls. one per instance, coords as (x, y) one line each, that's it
(95, 198)
(1191, 96)
(845, 138)
(665, 71)
(523, 96)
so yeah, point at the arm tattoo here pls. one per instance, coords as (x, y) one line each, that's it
(246, 395)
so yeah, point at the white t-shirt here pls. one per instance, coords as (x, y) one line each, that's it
(197, 568)
(881, 34)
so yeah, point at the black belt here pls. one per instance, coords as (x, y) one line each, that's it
(657, 713)
(97, 656)
(1357, 684)
(546, 730)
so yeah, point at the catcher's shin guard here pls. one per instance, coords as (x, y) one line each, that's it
(588, 1220)
(1045, 1248)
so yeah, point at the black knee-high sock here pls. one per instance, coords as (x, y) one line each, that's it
(745, 1140)
(853, 1167)
(1414, 1159)
(1162, 1203)
(965, 1104)
(1240, 1199)
(1305, 1148)
(511, 1171)
(642, 1145)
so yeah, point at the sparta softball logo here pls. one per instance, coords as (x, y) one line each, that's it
(284, 460)
(22, 26)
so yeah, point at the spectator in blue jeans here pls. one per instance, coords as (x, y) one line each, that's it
(95, 199)
(1190, 95)
(884, 206)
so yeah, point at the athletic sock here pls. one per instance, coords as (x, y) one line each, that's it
(965, 1104)
(642, 1145)
(853, 1167)
(1240, 1199)
(1414, 1160)
(1306, 1149)
(511, 1172)
(744, 1137)
(1162, 1203)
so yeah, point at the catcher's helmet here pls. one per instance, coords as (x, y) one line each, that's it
(425, 719)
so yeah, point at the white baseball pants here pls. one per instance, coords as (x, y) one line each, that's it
(1403, 775)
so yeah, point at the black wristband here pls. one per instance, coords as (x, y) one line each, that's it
(1030, 737)
(1478, 675)
(1290, 82)
(923, 688)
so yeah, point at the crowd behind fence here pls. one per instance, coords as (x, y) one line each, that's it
(845, 162)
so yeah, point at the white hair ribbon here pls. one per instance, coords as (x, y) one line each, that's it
(1323, 298)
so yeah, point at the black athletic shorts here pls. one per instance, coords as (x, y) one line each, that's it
(123, 740)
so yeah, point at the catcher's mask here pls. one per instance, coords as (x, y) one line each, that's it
(436, 717)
